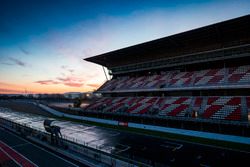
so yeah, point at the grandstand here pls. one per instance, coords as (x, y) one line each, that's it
(199, 79)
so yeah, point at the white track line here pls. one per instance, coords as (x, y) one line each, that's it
(113, 134)
(173, 145)
(122, 150)
(43, 149)
(10, 157)
(19, 145)
(18, 153)
(179, 145)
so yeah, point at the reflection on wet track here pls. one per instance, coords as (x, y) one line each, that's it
(81, 133)
(147, 149)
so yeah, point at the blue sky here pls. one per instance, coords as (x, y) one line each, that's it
(43, 42)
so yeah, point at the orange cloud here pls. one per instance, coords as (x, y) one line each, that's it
(71, 81)
(9, 88)
(10, 91)
(8, 85)
(94, 85)
(47, 82)
(72, 84)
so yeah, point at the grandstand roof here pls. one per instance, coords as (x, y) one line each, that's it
(220, 35)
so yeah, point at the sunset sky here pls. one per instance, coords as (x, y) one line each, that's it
(43, 42)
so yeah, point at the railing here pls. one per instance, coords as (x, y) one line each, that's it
(176, 88)
(187, 119)
(77, 145)
(221, 84)
(224, 53)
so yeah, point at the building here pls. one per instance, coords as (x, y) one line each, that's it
(199, 79)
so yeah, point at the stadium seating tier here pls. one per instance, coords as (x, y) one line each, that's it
(176, 79)
(214, 107)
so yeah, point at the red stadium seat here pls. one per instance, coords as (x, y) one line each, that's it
(215, 107)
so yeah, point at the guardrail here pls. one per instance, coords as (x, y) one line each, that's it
(205, 56)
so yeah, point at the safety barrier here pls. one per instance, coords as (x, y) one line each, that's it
(74, 145)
